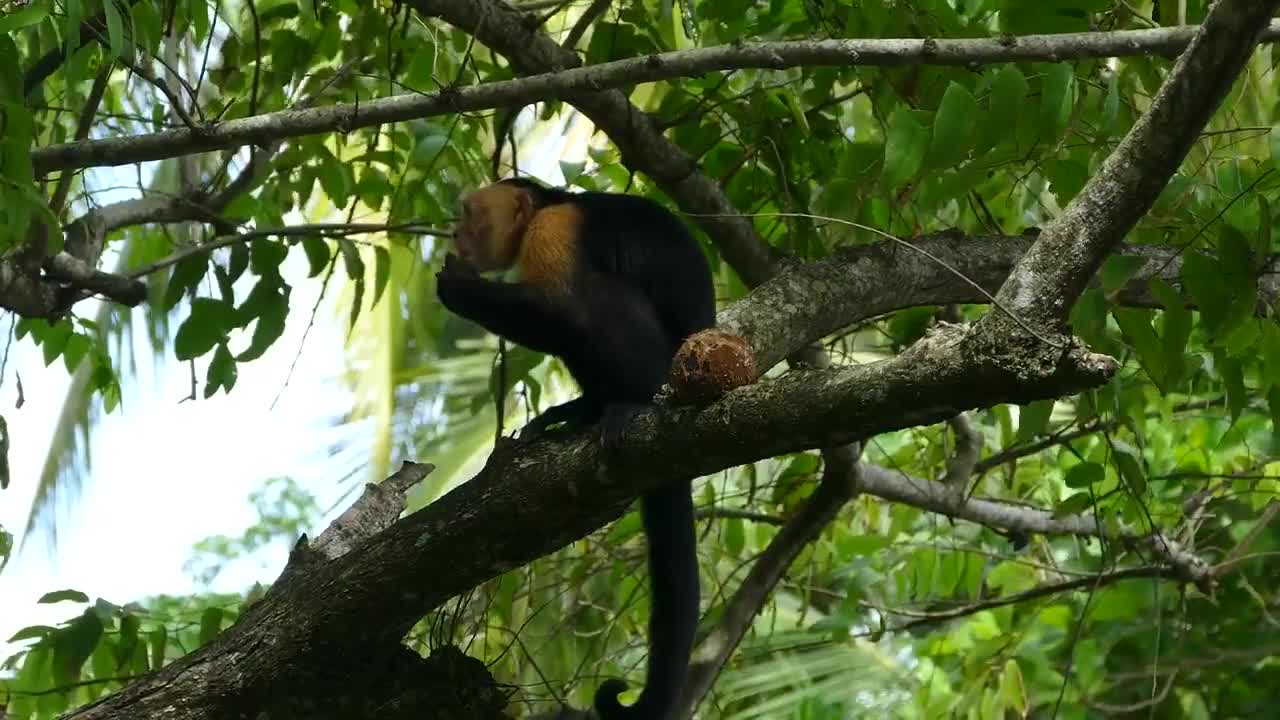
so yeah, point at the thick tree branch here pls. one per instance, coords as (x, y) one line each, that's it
(451, 545)
(1052, 274)
(813, 300)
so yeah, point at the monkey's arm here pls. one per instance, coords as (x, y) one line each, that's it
(524, 314)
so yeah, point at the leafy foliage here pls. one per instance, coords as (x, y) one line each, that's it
(892, 611)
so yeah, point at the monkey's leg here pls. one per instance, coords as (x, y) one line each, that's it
(614, 421)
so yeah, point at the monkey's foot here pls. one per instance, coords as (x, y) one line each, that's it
(614, 423)
(570, 416)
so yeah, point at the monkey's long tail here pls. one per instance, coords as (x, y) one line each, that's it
(673, 616)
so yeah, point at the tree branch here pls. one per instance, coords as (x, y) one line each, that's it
(557, 82)
(813, 300)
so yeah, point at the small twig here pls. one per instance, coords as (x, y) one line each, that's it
(1236, 555)
(968, 446)
(716, 513)
(83, 124)
(327, 229)
(579, 29)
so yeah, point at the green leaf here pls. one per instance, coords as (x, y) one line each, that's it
(115, 28)
(14, 20)
(55, 339)
(1118, 269)
(1135, 324)
(208, 324)
(1232, 373)
(74, 644)
(146, 26)
(77, 345)
(32, 631)
(1013, 691)
(1033, 420)
(1238, 275)
(271, 314)
(351, 259)
(129, 626)
(1130, 467)
(381, 271)
(1202, 279)
(186, 275)
(1270, 355)
(222, 371)
(904, 148)
(1073, 505)
(1089, 316)
(225, 287)
(734, 536)
(1111, 106)
(333, 179)
(1008, 93)
(1056, 100)
(63, 596)
(355, 270)
(1085, 474)
(266, 256)
(1175, 332)
(158, 640)
(1066, 179)
(571, 170)
(238, 262)
(317, 251)
(953, 127)
(210, 624)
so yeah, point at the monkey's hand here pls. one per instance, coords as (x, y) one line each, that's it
(454, 281)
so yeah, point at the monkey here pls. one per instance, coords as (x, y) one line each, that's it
(611, 284)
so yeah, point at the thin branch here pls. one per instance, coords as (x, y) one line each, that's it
(723, 513)
(175, 102)
(83, 123)
(564, 83)
(325, 229)
(1040, 591)
(595, 10)
(961, 463)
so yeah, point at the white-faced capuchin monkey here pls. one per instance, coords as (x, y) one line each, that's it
(611, 284)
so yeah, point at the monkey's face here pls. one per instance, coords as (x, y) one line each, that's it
(492, 224)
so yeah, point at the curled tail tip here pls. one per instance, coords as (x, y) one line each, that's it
(606, 700)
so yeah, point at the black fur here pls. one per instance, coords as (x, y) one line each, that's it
(642, 285)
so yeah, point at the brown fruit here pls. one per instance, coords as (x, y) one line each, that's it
(709, 364)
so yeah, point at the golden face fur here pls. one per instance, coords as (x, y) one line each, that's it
(493, 223)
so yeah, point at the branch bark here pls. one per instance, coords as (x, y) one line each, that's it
(813, 300)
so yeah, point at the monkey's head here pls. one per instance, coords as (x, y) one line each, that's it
(492, 224)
